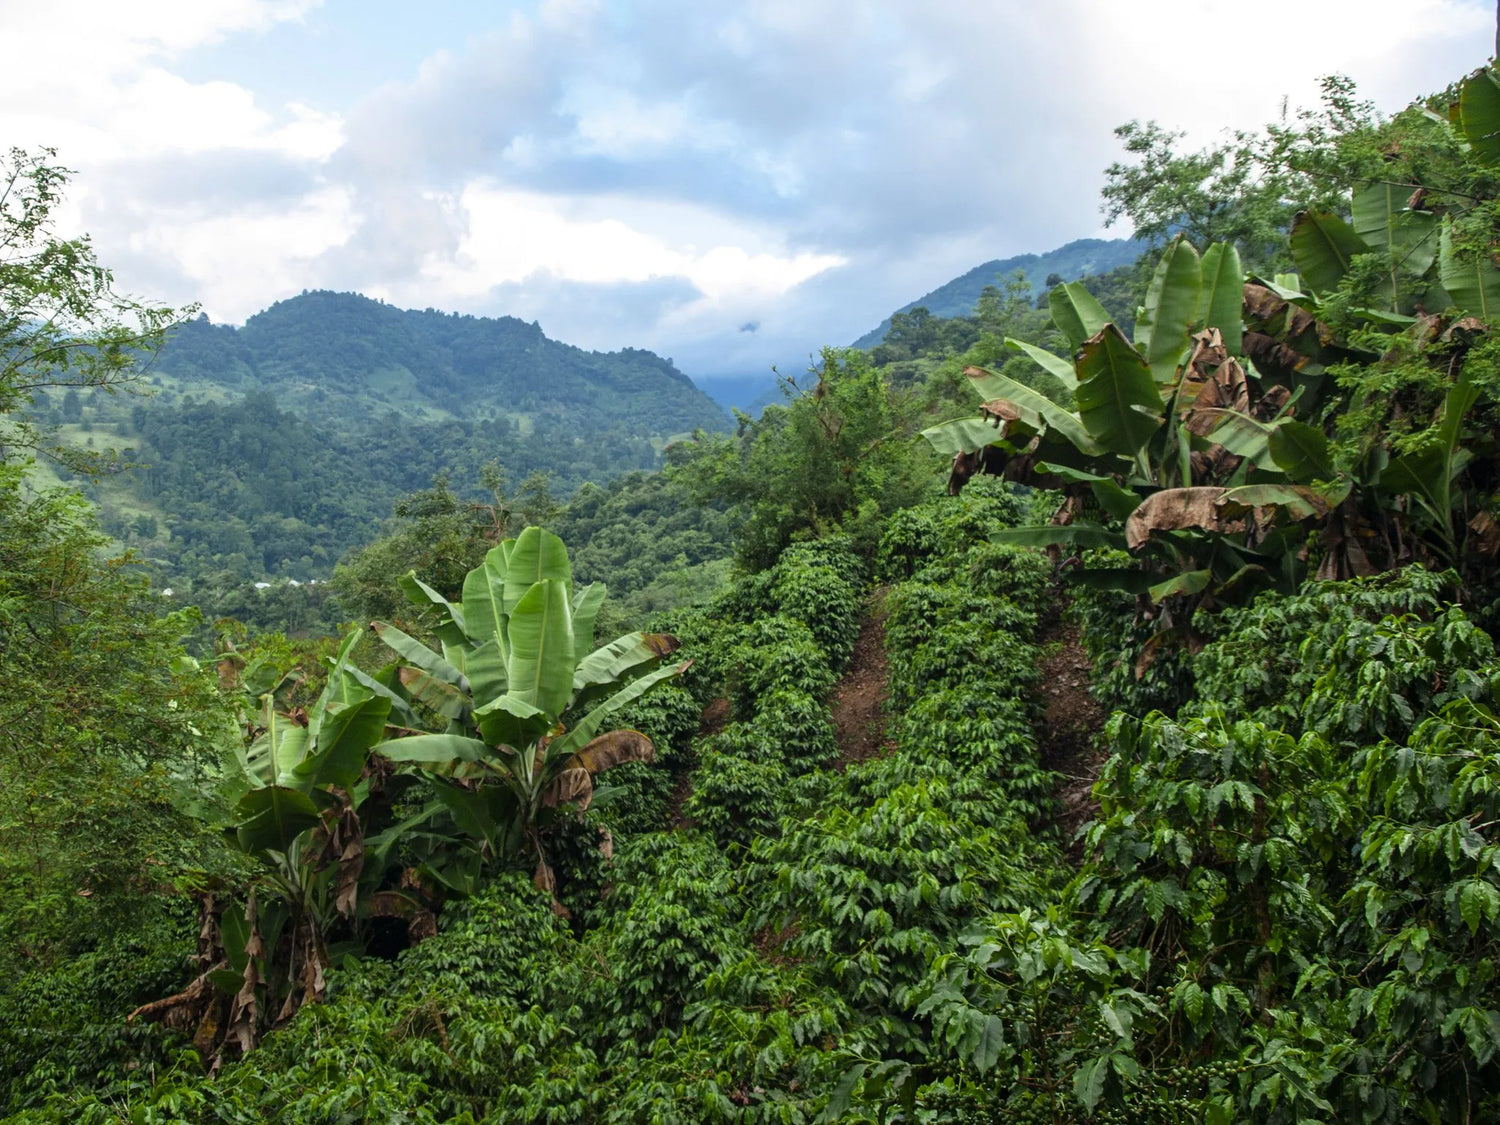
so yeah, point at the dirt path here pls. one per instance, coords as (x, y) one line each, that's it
(1067, 733)
(712, 721)
(858, 703)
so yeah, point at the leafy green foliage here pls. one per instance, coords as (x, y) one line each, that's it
(830, 459)
(63, 1025)
(62, 325)
(1285, 910)
(103, 727)
(1243, 942)
(1245, 190)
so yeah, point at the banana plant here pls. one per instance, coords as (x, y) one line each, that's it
(523, 699)
(1185, 440)
(294, 787)
(304, 782)
(1168, 432)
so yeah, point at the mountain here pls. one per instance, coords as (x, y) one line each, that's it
(272, 449)
(1077, 259)
(326, 354)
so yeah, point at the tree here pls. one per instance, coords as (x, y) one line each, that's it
(102, 718)
(62, 324)
(101, 728)
(831, 458)
(435, 533)
(1245, 191)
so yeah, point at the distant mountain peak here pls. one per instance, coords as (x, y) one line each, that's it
(1079, 258)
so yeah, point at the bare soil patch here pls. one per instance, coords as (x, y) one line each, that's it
(858, 704)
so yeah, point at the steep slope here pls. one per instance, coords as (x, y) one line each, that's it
(1077, 259)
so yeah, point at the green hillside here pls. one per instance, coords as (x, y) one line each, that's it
(1080, 258)
(269, 451)
(334, 353)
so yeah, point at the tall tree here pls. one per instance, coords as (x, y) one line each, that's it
(62, 324)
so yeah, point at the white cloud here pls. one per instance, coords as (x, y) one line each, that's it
(513, 236)
(94, 79)
(241, 260)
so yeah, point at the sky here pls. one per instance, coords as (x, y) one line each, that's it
(733, 185)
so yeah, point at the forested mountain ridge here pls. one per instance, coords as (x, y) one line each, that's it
(325, 352)
(1082, 257)
(272, 449)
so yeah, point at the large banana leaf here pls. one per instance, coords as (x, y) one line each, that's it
(450, 627)
(607, 664)
(536, 556)
(962, 435)
(1300, 501)
(510, 721)
(1059, 368)
(447, 700)
(1170, 310)
(1175, 509)
(1034, 407)
(263, 759)
(1383, 220)
(1302, 452)
(1479, 115)
(586, 603)
(1115, 498)
(586, 728)
(484, 597)
(271, 817)
(540, 671)
(344, 744)
(1119, 403)
(333, 688)
(1245, 437)
(1470, 279)
(1222, 297)
(1076, 313)
(487, 672)
(1323, 246)
(289, 743)
(1189, 582)
(400, 705)
(612, 749)
(1078, 534)
(420, 655)
(434, 749)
